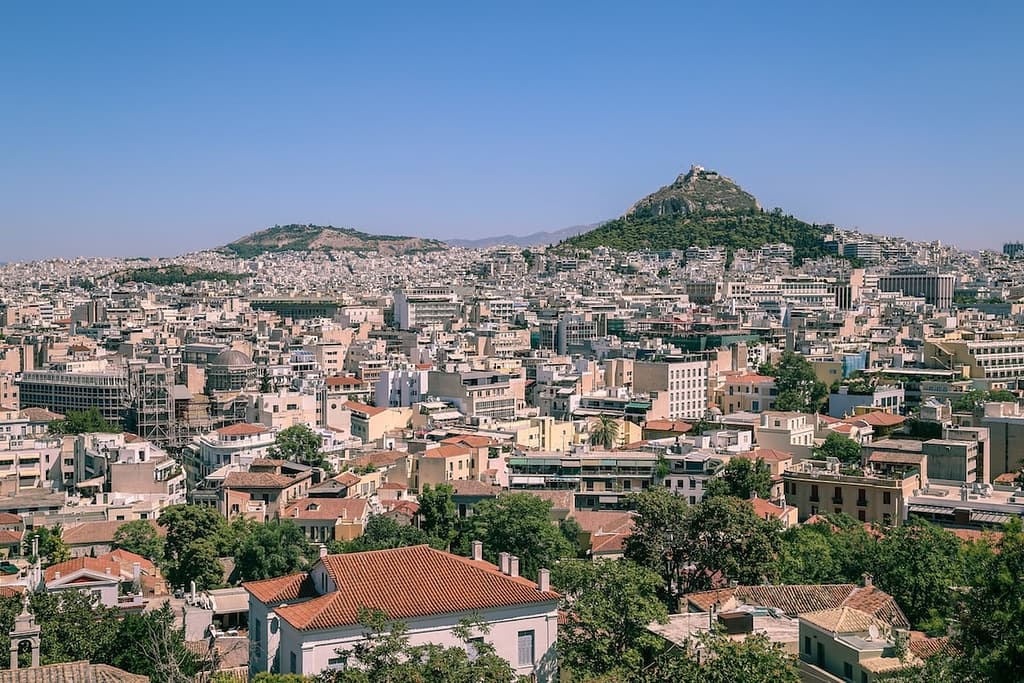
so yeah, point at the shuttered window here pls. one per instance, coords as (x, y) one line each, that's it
(525, 642)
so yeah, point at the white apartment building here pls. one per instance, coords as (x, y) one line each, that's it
(788, 433)
(238, 444)
(684, 379)
(422, 306)
(400, 388)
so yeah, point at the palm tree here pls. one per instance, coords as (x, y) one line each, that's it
(605, 432)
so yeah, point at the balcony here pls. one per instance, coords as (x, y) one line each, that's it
(862, 502)
(837, 500)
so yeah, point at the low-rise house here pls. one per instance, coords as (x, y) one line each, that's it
(298, 623)
(272, 482)
(329, 519)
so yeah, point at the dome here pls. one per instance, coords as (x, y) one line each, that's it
(230, 358)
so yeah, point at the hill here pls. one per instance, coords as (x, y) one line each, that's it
(297, 237)
(174, 275)
(534, 239)
(703, 208)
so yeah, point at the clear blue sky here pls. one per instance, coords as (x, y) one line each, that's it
(144, 128)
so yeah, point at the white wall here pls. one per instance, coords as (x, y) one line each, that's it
(314, 649)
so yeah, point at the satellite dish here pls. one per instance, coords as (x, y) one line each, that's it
(873, 632)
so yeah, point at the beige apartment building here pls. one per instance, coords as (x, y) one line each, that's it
(684, 379)
(370, 423)
(496, 395)
(787, 432)
(815, 487)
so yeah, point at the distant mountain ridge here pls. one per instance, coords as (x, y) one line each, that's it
(534, 239)
(302, 237)
(703, 208)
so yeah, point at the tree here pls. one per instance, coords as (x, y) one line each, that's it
(52, 548)
(437, 510)
(73, 626)
(157, 649)
(740, 478)
(724, 537)
(383, 533)
(842, 448)
(272, 549)
(799, 388)
(520, 524)
(385, 656)
(574, 533)
(918, 564)
(659, 520)
(140, 537)
(300, 444)
(991, 615)
(196, 536)
(835, 550)
(604, 432)
(84, 422)
(609, 604)
(970, 400)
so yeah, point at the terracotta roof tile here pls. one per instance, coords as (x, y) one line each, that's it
(260, 480)
(242, 429)
(363, 408)
(281, 588)
(92, 564)
(327, 508)
(842, 620)
(407, 583)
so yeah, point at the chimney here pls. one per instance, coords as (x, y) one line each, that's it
(868, 579)
(477, 550)
(543, 580)
(503, 562)
(106, 570)
(56, 575)
(513, 566)
(323, 550)
(136, 571)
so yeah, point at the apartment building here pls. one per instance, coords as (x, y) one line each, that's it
(689, 473)
(684, 379)
(787, 432)
(748, 393)
(935, 288)
(370, 423)
(599, 480)
(400, 388)
(480, 393)
(63, 390)
(987, 359)
(426, 306)
(816, 487)
(238, 444)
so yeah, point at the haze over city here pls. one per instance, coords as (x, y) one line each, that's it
(154, 131)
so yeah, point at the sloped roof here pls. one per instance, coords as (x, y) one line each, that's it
(92, 564)
(843, 620)
(94, 533)
(79, 672)
(242, 429)
(326, 508)
(281, 588)
(878, 418)
(407, 583)
(259, 480)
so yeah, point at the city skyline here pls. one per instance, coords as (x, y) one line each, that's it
(142, 133)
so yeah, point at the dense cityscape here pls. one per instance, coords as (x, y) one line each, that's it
(678, 464)
(558, 342)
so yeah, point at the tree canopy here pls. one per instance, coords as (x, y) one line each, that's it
(609, 604)
(520, 524)
(799, 388)
(740, 478)
(140, 537)
(437, 509)
(840, 447)
(300, 444)
(84, 422)
(270, 549)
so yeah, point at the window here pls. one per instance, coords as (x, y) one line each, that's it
(814, 492)
(848, 671)
(293, 668)
(887, 498)
(473, 647)
(861, 517)
(525, 648)
(254, 631)
(807, 644)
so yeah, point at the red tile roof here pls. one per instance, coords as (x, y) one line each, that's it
(471, 440)
(407, 583)
(8, 518)
(241, 429)
(326, 508)
(261, 480)
(668, 426)
(281, 588)
(92, 564)
(344, 382)
(10, 537)
(447, 450)
(877, 418)
(363, 408)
